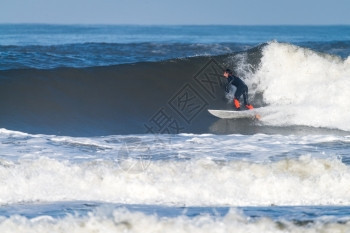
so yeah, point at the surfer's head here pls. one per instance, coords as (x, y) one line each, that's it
(227, 73)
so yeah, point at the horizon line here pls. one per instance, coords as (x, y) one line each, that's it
(134, 24)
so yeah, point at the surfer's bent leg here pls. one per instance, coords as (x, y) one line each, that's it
(238, 94)
(245, 99)
(245, 96)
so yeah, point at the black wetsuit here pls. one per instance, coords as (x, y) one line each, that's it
(242, 88)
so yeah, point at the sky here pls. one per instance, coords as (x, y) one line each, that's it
(178, 12)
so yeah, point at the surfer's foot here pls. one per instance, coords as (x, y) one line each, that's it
(236, 104)
(249, 106)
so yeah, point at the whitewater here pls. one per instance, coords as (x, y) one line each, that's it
(304, 87)
(182, 170)
(78, 154)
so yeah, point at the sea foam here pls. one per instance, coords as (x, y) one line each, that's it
(204, 182)
(121, 220)
(303, 87)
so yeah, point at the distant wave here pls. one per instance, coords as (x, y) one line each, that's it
(105, 54)
(82, 55)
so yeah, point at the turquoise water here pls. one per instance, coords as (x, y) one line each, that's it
(50, 46)
(17, 34)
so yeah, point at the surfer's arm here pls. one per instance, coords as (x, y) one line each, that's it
(227, 88)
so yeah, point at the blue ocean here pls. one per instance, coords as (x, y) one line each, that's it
(105, 128)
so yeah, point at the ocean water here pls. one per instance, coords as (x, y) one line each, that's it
(106, 129)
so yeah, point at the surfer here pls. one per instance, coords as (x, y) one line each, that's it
(241, 89)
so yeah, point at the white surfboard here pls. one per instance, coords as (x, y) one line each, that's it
(233, 114)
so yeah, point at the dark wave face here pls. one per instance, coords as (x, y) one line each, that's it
(99, 100)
